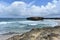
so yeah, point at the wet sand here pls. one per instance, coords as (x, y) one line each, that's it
(5, 37)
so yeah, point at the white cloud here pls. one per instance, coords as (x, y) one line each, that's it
(19, 9)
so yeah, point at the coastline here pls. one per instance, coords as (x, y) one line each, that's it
(8, 37)
(5, 37)
(46, 33)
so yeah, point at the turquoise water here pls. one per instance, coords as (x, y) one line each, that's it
(22, 25)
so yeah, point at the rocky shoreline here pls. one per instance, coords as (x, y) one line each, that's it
(50, 33)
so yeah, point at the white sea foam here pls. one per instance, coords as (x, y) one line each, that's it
(32, 24)
(48, 22)
(22, 24)
(4, 22)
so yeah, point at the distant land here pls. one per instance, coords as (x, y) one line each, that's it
(39, 18)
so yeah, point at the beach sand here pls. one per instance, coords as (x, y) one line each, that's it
(4, 37)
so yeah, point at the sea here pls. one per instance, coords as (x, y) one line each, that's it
(22, 25)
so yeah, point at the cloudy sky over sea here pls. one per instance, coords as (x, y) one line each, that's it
(26, 8)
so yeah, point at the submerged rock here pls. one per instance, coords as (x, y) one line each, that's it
(49, 33)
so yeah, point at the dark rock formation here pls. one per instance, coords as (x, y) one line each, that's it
(39, 34)
(35, 18)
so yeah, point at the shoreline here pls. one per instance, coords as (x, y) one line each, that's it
(33, 31)
(46, 33)
(5, 37)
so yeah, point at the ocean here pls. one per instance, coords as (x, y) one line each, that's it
(21, 25)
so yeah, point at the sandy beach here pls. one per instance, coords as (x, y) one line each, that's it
(47, 33)
(4, 37)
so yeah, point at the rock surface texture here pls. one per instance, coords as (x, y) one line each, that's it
(39, 34)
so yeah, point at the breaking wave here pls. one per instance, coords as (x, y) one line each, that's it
(22, 26)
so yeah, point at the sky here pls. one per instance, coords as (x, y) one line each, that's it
(28, 8)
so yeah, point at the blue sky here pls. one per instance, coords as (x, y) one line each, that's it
(26, 8)
(37, 2)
